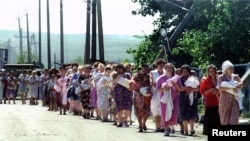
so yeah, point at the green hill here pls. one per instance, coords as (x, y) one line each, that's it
(115, 46)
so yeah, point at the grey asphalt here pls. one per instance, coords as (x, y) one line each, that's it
(34, 123)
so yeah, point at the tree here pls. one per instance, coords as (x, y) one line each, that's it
(22, 58)
(217, 31)
(146, 51)
(78, 60)
(169, 17)
(225, 36)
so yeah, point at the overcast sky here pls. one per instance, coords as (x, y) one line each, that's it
(117, 17)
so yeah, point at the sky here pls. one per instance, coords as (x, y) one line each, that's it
(117, 17)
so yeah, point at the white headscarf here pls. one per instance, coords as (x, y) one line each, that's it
(225, 65)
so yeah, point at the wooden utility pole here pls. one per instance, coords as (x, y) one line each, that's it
(61, 33)
(20, 36)
(94, 8)
(48, 36)
(87, 41)
(100, 31)
(39, 33)
(93, 57)
(28, 37)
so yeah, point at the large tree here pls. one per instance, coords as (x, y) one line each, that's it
(217, 31)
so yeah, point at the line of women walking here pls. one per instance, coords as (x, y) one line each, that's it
(109, 92)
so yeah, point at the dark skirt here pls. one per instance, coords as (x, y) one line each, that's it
(85, 97)
(123, 98)
(186, 111)
(58, 99)
(211, 118)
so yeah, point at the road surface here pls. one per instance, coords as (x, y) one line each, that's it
(34, 123)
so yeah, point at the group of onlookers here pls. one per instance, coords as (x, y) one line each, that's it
(109, 92)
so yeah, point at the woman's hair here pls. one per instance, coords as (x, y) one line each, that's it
(212, 66)
(172, 66)
(100, 65)
(120, 66)
(186, 67)
(108, 68)
(138, 69)
(160, 61)
(127, 65)
(95, 65)
(154, 66)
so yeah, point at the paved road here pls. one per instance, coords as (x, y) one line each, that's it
(34, 123)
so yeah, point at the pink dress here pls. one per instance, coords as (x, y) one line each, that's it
(175, 96)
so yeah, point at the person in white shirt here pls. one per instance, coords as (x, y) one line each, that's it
(155, 101)
(22, 86)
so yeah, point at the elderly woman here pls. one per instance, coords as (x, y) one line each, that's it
(228, 105)
(211, 98)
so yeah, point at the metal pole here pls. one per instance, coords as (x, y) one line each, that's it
(61, 32)
(93, 57)
(28, 37)
(20, 36)
(100, 31)
(87, 41)
(48, 35)
(39, 34)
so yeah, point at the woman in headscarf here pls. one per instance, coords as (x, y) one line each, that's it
(228, 104)
(141, 101)
(211, 98)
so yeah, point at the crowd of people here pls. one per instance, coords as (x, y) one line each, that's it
(108, 92)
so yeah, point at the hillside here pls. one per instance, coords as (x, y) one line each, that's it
(115, 46)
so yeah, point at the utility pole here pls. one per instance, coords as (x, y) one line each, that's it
(93, 57)
(28, 37)
(33, 43)
(100, 30)
(39, 34)
(48, 36)
(20, 36)
(87, 42)
(94, 8)
(61, 32)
